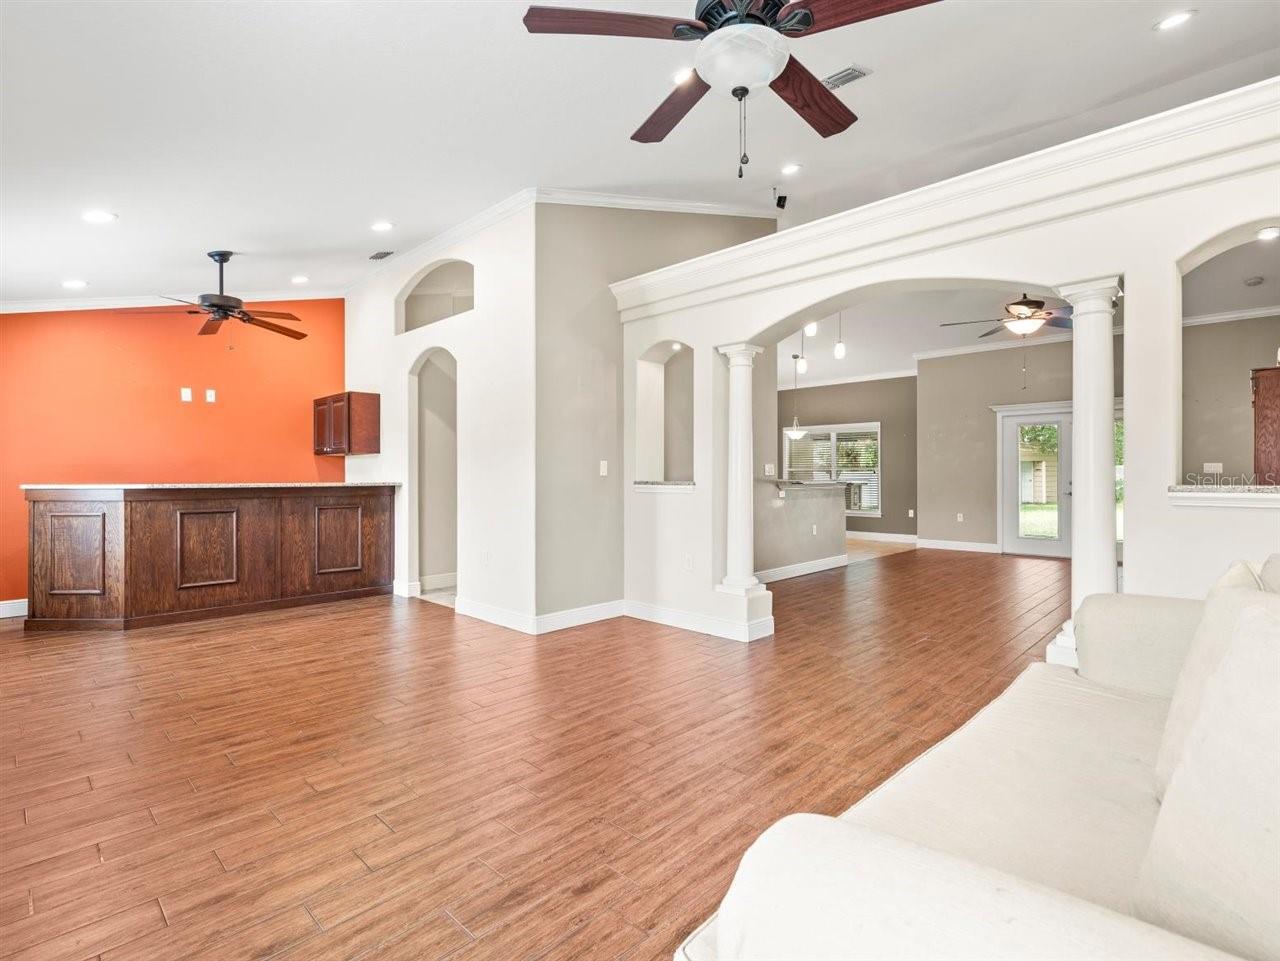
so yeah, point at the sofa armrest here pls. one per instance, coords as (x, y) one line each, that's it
(1135, 641)
(823, 889)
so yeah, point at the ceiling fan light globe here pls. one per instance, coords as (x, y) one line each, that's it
(741, 55)
(1024, 325)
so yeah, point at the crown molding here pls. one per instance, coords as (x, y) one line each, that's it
(1131, 154)
(586, 198)
(1249, 313)
(116, 303)
(861, 378)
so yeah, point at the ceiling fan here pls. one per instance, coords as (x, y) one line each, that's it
(1023, 317)
(742, 47)
(222, 306)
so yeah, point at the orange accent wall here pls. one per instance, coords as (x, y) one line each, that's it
(92, 396)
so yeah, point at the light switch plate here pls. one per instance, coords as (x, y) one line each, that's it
(815, 530)
(960, 518)
(911, 512)
(185, 394)
(604, 468)
(1213, 468)
(768, 470)
(210, 395)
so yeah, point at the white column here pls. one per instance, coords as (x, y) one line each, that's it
(1093, 507)
(740, 575)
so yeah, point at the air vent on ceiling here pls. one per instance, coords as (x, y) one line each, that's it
(381, 255)
(848, 75)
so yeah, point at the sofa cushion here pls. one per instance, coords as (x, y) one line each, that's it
(1270, 574)
(1213, 869)
(1050, 782)
(1221, 611)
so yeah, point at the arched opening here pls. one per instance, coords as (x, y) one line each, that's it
(1231, 360)
(437, 476)
(664, 414)
(443, 291)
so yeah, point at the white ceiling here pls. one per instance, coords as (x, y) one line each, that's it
(282, 130)
(883, 335)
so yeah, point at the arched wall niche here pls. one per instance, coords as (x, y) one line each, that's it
(664, 431)
(440, 290)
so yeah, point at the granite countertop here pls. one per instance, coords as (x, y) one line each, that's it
(1224, 489)
(663, 483)
(238, 484)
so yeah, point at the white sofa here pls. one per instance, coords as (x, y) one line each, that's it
(1130, 810)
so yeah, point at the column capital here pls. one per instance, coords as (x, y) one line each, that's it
(740, 355)
(1096, 294)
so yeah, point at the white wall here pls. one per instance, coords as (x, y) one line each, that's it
(438, 471)
(493, 345)
(1132, 202)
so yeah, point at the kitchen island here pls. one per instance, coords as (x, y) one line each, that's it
(130, 555)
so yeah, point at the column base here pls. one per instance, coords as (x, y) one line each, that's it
(741, 589)
(1062, 649)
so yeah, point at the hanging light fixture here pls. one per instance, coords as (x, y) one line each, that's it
(795, 431)
(802, 365)
(839, 348)
(811, 329)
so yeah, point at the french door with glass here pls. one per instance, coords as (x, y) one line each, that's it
(1036, 485)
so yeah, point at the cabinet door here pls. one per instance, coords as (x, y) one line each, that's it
(338, 421)
(321, 418)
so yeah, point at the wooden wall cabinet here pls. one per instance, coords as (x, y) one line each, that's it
(346, 423)
(132, 556)
(1266, 425)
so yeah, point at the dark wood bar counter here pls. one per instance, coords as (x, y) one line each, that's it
(132, 555)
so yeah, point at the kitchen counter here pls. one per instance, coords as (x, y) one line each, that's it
(118, 556)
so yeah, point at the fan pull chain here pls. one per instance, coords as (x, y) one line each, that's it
(741, 94)
(1024, 363)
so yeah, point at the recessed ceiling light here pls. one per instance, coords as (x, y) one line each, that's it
(789, 170)
(98, 216)
(381, 226)
(1175, 20)
(683, 75)
(75, 284)
(1269, 233)
(811, 328)
(299, 279)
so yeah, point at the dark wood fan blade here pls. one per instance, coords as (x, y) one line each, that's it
(993, 330)
(275, 315)
(829, 14)
(267, 325)
(961, 323)
(210, 326)
(1063, 323)
(672, 110)
(608, 23)
(820, 108)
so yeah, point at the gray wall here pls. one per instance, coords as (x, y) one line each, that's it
(580, 251)
(438, 465)
(1217, 402)
(892, 402)
(783, 528)
(677, 417)
(956, 439)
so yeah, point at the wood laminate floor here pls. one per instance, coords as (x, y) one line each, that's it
(382, 778)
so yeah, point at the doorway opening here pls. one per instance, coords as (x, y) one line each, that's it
(437, 442)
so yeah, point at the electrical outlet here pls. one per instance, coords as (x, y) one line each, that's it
(604, 468)
(210, 395)
(185, 394)
(911, 512)
(769, 470)
(960, 518)
(782, 495)
(815, 530)
(1213, 468)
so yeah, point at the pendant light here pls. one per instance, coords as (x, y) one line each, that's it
(839, 348)
(795, 431)
(802, 365)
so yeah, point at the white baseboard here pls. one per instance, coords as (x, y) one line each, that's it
(16, 608)
(701, 623)
(977, 546)
(437, 582)
(804, 567)
(877, 536)
(405, 588)
(538, 623)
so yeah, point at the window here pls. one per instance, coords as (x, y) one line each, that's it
(844, 453)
